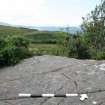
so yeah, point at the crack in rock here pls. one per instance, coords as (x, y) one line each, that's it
(56, 70)
(94, 91)
(58, 89)
(74, 81)
(11, 80)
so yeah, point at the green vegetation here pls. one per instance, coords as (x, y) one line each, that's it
(8, 31)
(13, 49)
(90, 44)
(78, 48)
(49, 49)
(20, 43)
(46, 37)
(94, 31)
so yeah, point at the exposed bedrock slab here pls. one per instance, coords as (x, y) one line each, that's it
(53, 74)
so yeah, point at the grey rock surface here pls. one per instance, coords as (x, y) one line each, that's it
(53, 74)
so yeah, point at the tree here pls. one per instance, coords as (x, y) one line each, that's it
(94, 27)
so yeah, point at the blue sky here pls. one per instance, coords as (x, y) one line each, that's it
(45, 12)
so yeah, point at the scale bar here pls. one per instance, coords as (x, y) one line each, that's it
(47, 95)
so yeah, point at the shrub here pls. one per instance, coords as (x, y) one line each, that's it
(13, 49)
(100, 55)
(19, 41)
(2, 43)
(9, 56)
(77, 48)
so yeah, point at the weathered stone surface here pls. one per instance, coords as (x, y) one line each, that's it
(52, 74)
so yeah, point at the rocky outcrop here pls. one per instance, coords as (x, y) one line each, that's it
(53, 74)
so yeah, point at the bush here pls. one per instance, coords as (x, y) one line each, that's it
(78, 48)
(100, 55)
(9, 56)
(13, 49)
(2, 43)
(19, 41)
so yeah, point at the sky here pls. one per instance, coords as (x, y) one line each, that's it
(45, 12)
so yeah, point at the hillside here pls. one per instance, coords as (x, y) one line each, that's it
(57, 28)
(4, 24)
(10, 30)
(53, 74)
(34, 34)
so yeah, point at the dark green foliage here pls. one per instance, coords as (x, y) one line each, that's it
(94, 31)
(100, 55)
(19, 41)
(2, 43)
(9, 56)
(13, 49)
(78, 48)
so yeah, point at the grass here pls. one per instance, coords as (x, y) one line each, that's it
(9, 30)
(50, 49)
(46, 37)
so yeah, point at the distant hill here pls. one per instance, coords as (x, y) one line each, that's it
(46, 28)
(33, 35)
(4, 24)
(11, 30)
(55, 28)
(6, 28)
